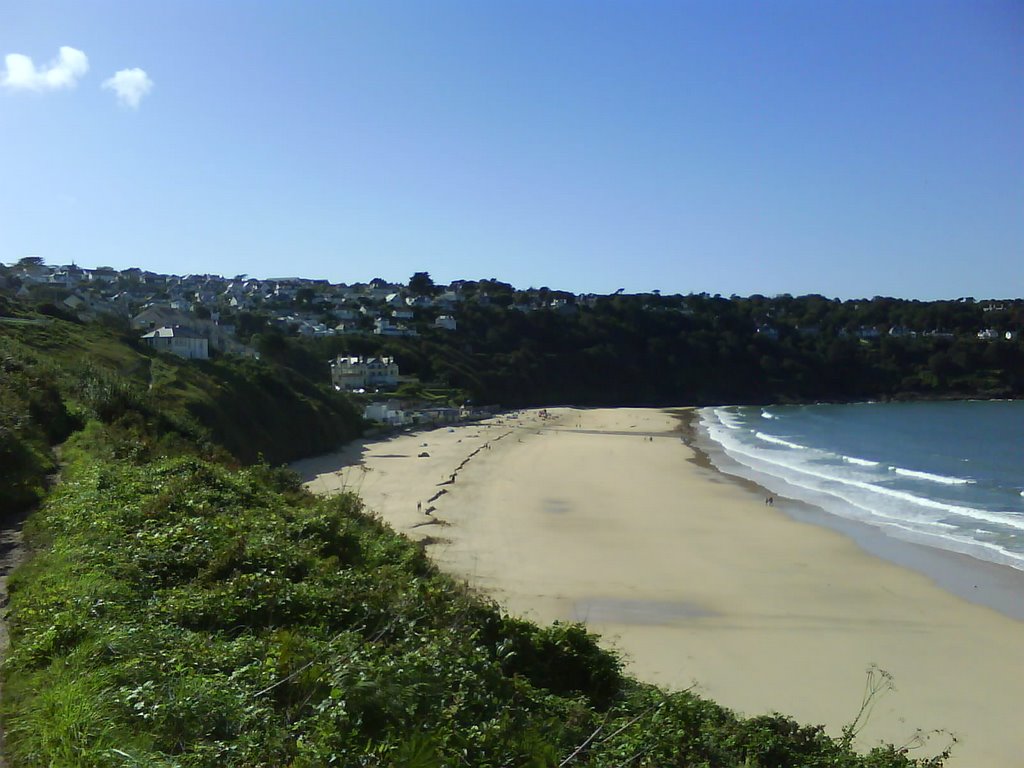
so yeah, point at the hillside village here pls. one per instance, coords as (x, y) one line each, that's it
(194, 316)
(318, 308)
(202, 315)
(305, 307)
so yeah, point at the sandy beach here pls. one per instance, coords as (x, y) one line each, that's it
(604, 516)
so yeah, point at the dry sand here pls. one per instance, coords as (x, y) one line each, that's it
(600, 516)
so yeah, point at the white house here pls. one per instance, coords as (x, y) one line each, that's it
(221, 337)
(382, 327)
(352, 373)
(445, 321)
(180, 341)
(390, 412)
(990, 334)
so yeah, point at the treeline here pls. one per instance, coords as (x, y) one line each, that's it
(654, 350)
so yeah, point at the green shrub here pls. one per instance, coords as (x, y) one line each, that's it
(181, 611)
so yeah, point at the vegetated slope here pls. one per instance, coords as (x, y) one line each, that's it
(55, 375)
(182, 611)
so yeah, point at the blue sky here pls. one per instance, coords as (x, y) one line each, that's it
(846, 148)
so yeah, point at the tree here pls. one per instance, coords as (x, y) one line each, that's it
(421, 285)
(305, 296)
(30, 261)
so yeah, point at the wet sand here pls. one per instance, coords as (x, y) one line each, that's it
(603, 516)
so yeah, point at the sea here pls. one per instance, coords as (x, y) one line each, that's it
(948, 475)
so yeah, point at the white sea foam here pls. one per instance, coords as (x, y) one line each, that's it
(945, 510)
(966, 545)
(766, 415)
(1010, 520)
(727, 419)
(859, 462)
(779, 441)
(932, 478)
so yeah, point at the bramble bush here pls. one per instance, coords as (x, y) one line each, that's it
(188, 614)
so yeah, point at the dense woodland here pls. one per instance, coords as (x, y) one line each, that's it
(186, 604)
(699, 349)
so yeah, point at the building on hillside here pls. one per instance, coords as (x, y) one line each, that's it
(400, 414)
(356, 373)
(221, 336)
(75, 302)
(445, 321)
(990, 334)
(438, 415)
(383, 326)
(899, 331)
(390, 412)
(180, 341)
(156, 316)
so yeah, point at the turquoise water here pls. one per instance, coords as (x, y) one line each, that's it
(949, 475)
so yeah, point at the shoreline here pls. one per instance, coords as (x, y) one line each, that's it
(993, 585)
(606, 516)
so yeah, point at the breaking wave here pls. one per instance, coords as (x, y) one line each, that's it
(930, 477)
(932, 507)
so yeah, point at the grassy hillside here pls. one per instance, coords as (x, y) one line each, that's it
(183, 613)
(184, 609)
(57, 375)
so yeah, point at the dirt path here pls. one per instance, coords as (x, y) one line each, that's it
(12, 552)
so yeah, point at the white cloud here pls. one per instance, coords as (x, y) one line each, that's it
(64, 72)
(130, 85)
